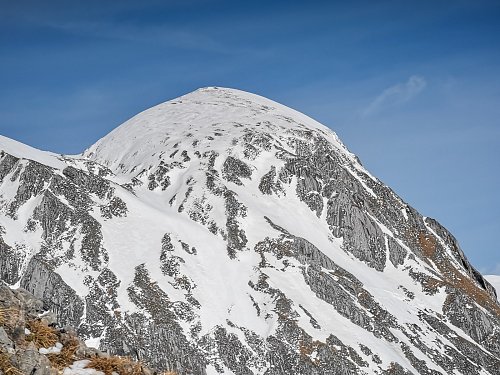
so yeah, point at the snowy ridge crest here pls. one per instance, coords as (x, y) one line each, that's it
(198, 115)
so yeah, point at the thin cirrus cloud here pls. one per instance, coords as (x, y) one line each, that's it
(397, 94)
(160, 35)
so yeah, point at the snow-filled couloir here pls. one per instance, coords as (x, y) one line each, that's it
(222, 232)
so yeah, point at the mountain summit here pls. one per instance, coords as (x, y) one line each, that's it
(222, 232)
(207, 113)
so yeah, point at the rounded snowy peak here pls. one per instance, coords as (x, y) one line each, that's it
(210, 117)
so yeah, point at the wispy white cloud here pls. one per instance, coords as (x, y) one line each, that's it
(159, 35)
(396, 94)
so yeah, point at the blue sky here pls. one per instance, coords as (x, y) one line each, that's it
(412, 87)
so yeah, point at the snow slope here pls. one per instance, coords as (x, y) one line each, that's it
(495, 281)
(24, 151)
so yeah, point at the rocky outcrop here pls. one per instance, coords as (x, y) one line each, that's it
(32, 341)
(49, 287)
(10, 263)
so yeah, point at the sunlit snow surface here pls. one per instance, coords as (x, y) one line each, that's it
(79, 368)
(146, 137)
(21, 150)
(495, 281)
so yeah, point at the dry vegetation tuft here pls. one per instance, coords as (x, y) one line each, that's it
(6, 316)
(120, 365)
(6, 366)
(3, 316)
(67, 355)
(428, 244)
(41, 334)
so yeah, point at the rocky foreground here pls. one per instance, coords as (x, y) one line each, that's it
(32, 342)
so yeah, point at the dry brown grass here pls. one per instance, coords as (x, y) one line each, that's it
(3, 316)
(306, 348)
(428, 244)
(41, 334)
(453, 277)
(6, 366)
(120, 365)
(7, 315)
(67, 355)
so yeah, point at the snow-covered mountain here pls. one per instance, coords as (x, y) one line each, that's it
(221, 232)
(494, 280)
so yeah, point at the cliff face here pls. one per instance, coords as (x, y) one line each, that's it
(222, 232)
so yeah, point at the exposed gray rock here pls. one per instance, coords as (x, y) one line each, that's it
(10, 263)
(459, 255)
(90, 182)
(54, 217)
(116, 208)
(29, 361)
(5, 341)
(161, 339)
(269, 183)
(32, 181)
(236, 237)
(480, 326)
(397, 253)
(7, 165)
(57, 296)
(233, 169)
